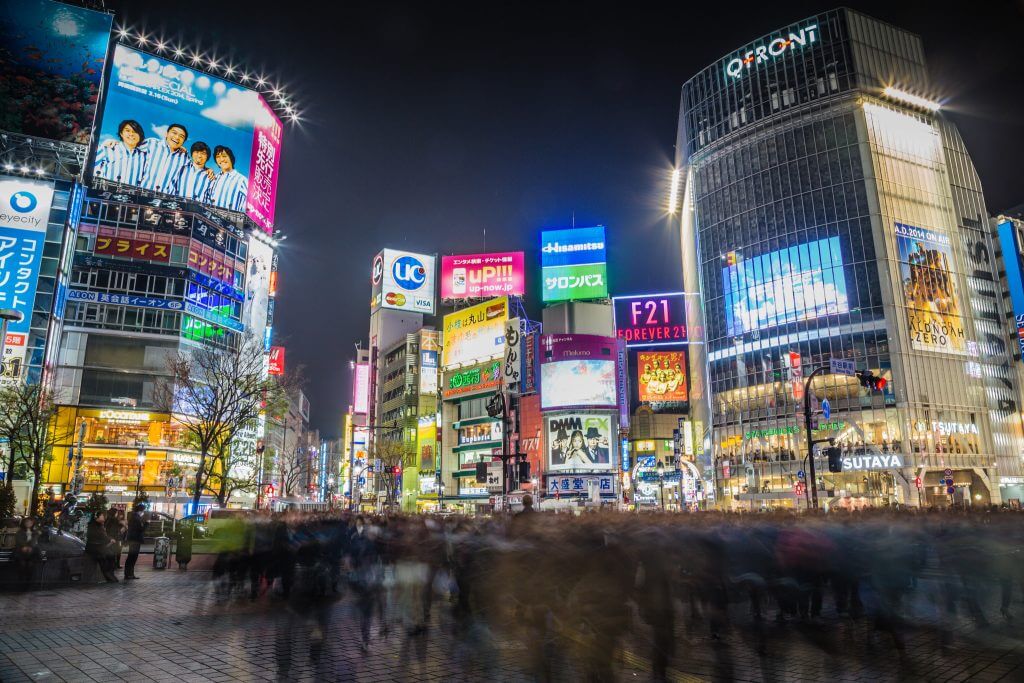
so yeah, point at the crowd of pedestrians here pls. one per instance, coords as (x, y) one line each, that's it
(578, 591)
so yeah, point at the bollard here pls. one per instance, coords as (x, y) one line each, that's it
(161, 552)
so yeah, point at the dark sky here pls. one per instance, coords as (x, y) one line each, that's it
(426, 124)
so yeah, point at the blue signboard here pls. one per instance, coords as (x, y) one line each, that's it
(802, 282)
(572, 246)
(1008, 240)
(125, 300)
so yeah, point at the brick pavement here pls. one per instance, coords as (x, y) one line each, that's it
(171, 626)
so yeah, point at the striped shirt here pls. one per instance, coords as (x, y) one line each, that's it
(194, 183)
(120, 163)
(163, 167)
(229, 190)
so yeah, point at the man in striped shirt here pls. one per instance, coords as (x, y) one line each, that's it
(195, 178)
(166, 159)
(229, 187)
(122, 160)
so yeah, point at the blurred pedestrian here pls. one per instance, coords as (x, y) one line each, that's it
(26, 551)
(116, 527)
(99, 546)
(134, 536)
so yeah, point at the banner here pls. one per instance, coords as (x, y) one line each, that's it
(661, 376)
(578, 370)
(474, 334)
(426, 444)
(276, 360)
(402, 281)
(651, 319)
(473, 276)
(927, 269)
(579, 442)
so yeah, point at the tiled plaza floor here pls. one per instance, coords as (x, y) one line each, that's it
(169, 626)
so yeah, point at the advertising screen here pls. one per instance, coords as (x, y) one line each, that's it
(51, 63)
(426, 443)
(473, 276)
(661, 376)
(171, 129)
(24, 212)
(361, 389)
(403, 281)
(577, 370)
(798, 283)
(1010, 241)
(929, 288)
(579, 442)
(651, 319)
(475, 334)
(573, 264)
(276, 360)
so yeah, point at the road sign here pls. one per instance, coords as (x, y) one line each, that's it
(949, 481)
(826, 408)
(950, 490)
(800, 474)
(948, 472)
(842, 366)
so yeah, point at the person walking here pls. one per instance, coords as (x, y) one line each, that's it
(26, 551)
(99, 546)
(134, 537)
(115, 527)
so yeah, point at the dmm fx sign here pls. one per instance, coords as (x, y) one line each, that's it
(737, 66)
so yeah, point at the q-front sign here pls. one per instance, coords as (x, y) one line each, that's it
(737, 66)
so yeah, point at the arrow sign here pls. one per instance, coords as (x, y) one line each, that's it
(826, 408)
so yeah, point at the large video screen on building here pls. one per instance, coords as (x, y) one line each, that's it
(472, 276)
(474, 334)
(929, 287)
(577, 371)
(661, 376)
(802, 282)
(579, 441)
(171, 129)
(574, 264)
(51, 63)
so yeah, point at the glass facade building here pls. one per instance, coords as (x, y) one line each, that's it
(823, 217)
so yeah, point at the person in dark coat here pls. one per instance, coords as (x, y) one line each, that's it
(26, 550)
(116, 526)
(99, 546)
(134, 536)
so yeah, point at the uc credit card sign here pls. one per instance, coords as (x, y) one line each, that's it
(574, 264)
(403, 281)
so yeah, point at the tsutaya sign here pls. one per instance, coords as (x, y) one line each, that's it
(872, 462)
(766, 53)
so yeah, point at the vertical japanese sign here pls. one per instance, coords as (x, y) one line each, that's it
(512, 369)
(24, 212)
(266, 159)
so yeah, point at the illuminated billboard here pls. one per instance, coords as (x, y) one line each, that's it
(171, 129)
(929, 288)
(573, 264)
(579, 442)
(24, 213)
(802, 282)
(430, 346)
(1010, 241)
(474, 276)
(361, 389)
(402, 281)
(577, 371)
(426, 443)
(661, 376)
(474, 334)
(276, 360)
(651, 319)
(51, 64)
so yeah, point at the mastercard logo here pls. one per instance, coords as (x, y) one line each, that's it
(395, 299)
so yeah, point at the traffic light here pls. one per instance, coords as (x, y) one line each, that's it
(481, 473)
(524, 471)
(869, 380)
(835, 459)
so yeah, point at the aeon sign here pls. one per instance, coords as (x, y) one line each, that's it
(766, 53)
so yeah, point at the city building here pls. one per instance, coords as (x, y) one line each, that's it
(830, 210)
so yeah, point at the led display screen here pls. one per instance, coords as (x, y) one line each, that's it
(51, 64)
(168, 128)
(473, 276)
(802, 282)
(661, 376)
(579, 442)
(573, 264)
(578, 370)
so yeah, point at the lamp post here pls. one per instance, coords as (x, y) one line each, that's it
(141, 458)
(661, 483)
(7, 315)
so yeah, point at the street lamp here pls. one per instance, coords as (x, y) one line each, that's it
(141, 458)
(7, 315)
(661, 483)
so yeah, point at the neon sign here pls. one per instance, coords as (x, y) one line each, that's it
(765, 53)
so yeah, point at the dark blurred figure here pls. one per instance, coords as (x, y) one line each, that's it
(26, 551)
(100, 547)
(134, 536)
(116, 527)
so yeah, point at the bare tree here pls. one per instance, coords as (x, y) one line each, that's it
(391, 454)
(215, 395)
(28, 421)
(234, 469)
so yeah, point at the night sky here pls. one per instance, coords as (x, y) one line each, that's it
(427, 126)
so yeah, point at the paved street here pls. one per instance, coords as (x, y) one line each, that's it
(171, 626)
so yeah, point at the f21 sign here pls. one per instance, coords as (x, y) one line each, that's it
(651, 319)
